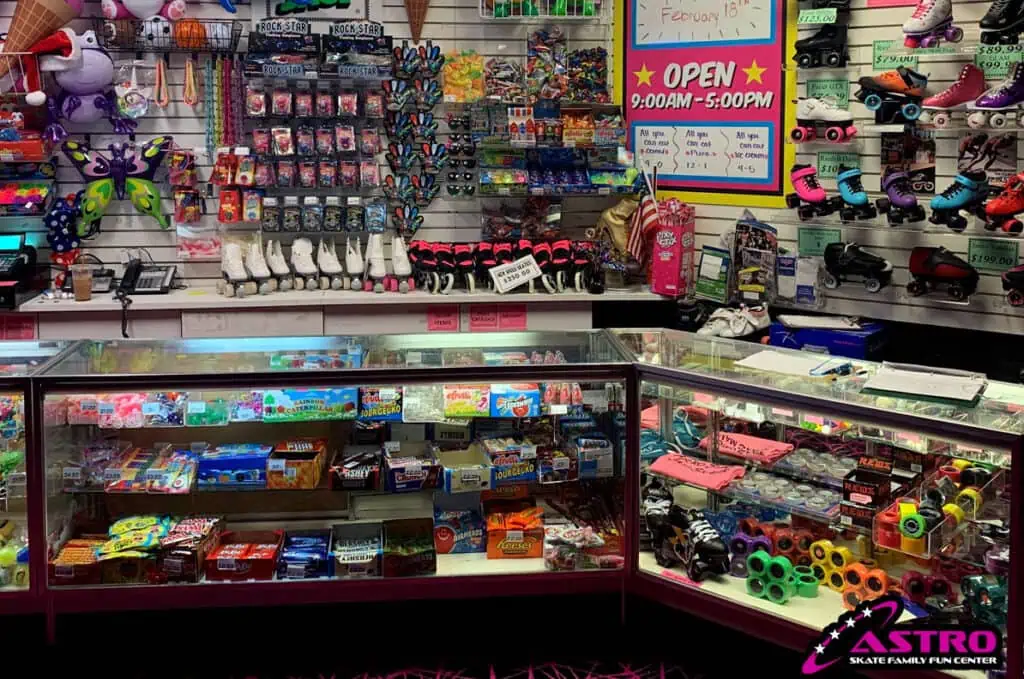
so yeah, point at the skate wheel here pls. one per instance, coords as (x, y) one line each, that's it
(916, 288)
(805, 212)
(883, 205)
(873, 102)
(1015, 298)
(957, 292)
(850, 132)
(337, 284)
(847, 215)
(942, 120)
(265, 288)
(954, 34)
(910, 42)
(834, 134)
(798, 135)
(957, 222)
(830, 281)
(990, 37)
(977, 120)
(872, 284)
(792, 200)
(911, 111)
(833, 59)
(804, 60)
(997, 121)
(1013, 226)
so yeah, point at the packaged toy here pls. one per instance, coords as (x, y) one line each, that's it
(515, 400)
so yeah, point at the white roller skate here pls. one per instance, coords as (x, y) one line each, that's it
(354, 263)
(377, 272)
(307, 276)
(401, 265)
(278, 266)
(331, 274)
(257, 266)
(237, 282)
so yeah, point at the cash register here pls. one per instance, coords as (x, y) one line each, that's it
(20, 278)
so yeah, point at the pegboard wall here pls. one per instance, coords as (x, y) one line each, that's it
(454, 25)
(988, 309)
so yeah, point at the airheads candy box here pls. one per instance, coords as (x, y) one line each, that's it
(467, 400)
(305, 405)
(460, 531)
(515, 400)
(380, 404)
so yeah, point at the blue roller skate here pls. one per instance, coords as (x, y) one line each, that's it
(853, 201)
(967, 193)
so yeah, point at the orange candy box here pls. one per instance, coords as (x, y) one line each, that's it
(516, 535)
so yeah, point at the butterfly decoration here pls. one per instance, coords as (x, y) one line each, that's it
(129, 171)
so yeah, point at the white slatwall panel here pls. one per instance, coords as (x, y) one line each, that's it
(452, 24)
(988, 309)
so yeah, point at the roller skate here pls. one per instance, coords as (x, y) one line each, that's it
(903, 88)
(855, 199)
(465, 265)
(583, 272)
(931, 22)
(1013, 284)
(401, 265)
(307, 275)
(483, 258)
(933, 267)
(990, 110)
(843, 260)
(685, 538)
(257, 267)
(1003, 23)
(822, 114)
(424, 261)
(900, 203)
(524, 248)
(445, 267)
(331, 274)
(354, 263)
(561, 262)
(810, 199)
(827, 47)
(840, 5)
(278, 266)
(937, 109)
(542, 254)
(1001, 211)
(237, 281)
(376, 270)
(502, 254)
(967, 193)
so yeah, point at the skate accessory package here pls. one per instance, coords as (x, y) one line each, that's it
(1001, 211)
(991, 108)
(1003, 23)
(938, 108)
(825, 116)
(967, 193)
(900, 204)
(771, 577)
(854, 200)
(931, 22)
(901, 90)
(935, 268)
(826, 48)
(845, 260)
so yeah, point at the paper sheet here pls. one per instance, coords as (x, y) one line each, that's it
(826, 322)
(778, 362)
(931, 383)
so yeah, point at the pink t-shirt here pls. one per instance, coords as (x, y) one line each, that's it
(754, 448)
(697, 472)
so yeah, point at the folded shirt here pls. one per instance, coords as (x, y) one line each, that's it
(753, 448)
(696, 472)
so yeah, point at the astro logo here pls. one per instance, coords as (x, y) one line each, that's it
(870, 636)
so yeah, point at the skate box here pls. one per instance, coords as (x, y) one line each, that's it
(866, 343)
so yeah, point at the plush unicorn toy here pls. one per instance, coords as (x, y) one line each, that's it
(143, 9)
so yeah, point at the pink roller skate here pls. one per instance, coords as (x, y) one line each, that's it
(809, 199)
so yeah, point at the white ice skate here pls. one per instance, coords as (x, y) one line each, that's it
(278, 266)
(257, 267)
(331, 273)
(237, 281)
(307, 276)
(376, 269)
(354, 263)
(400, 263)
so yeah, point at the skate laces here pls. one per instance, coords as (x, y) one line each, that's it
(811, 181)
(855, 184)
(702, 531)
(953, 189)
(922, 9)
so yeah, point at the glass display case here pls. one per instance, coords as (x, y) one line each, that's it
(780, 483)
(192, 472)
(18, 362)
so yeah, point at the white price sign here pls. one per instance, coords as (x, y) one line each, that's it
(509, 276)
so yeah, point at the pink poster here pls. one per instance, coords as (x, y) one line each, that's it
(443, 318)
(704, 93)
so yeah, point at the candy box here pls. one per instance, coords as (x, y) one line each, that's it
(467, 400)
(296, 464)
(356, 468)
(459, 531)
(164, 409)
(413, 468)
(75, 563)
(173, 473)
(234, 465)
(246, 406)
(515, 400)
(516, 535)
(305, 554)
(306, 405)
(557, 466)
(513, 461)
(594, 453)
(244, 555)
(129, 474)
(383, 404)
(409, 548)
(183, 551)
(207, 412)
(341, 359)
(466, 471)
(357, 550)
(128, 569)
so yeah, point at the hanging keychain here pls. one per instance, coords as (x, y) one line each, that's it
(208, 94)
(132, 98)
(163, 96)
(219, 96)
(191, 93)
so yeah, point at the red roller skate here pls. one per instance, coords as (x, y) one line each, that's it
(1001, 211)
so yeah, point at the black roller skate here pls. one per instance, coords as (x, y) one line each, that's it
(503, 253)
(584, 272)
(843, 260)
(1013, 284)
(523, 247)
(484, 258)
(685, 538)
(934, 267)
(1003, 23)
(445, 267)
(827, 48)
(542, 255)
(561, 264)
(465, 265)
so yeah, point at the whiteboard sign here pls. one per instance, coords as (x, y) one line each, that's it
(706, 151)
(510, 276)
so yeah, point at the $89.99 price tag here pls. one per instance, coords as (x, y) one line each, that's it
(995, 60)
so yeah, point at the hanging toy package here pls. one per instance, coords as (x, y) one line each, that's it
(133, 86)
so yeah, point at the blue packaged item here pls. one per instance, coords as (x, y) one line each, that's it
(515, 400)
(514, 461)
(234, 465)
(306, 405)
(305, 554)
(380, 404)
(866, 343)
(594, 453)
(459, 531)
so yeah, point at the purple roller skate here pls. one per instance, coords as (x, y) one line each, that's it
(900, 203)
(990, 108)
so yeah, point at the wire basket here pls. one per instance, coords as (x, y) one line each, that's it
(160, 35)
(17, 68)
(543, 10)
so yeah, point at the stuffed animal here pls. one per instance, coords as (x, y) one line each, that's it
(143, 9)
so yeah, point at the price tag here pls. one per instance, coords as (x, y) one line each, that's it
(276, 465)
(994, 254)
(173, 565)
(392, 446)
(73, 473)
(825, 15)
(811, 240)
(528, 451)
(884, 57)
(829, 162)
(514, 535)
(196, 407)
(87, 406)
(558, 409)
(995, 60)
(105, 408)
(483, 318)
(296, 570)
(833, 88)
(225, 564)
(560, 463)
(443, 318)
(509, 276)
(150, 408)
(112, 474)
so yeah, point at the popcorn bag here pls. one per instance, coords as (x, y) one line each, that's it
(672, 248)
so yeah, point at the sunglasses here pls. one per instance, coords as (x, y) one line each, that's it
(466, 176)
(465, 190)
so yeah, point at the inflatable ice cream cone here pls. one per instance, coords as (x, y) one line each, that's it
(417, 13)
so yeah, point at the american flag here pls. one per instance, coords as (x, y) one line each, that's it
(644, 219)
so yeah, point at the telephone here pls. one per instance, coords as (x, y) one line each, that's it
(102, 280)
(147, 279)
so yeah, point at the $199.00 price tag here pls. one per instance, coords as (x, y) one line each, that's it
(994, 254)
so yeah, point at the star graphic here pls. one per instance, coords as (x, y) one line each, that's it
(867, 613)
(819, 649)
(643, 76)
(754, 72)
(834, 634)
(850, 623)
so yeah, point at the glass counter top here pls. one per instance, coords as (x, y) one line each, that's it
(21, 359)
(1000, 408)
(304, 354)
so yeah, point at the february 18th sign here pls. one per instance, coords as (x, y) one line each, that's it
(704, 93)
